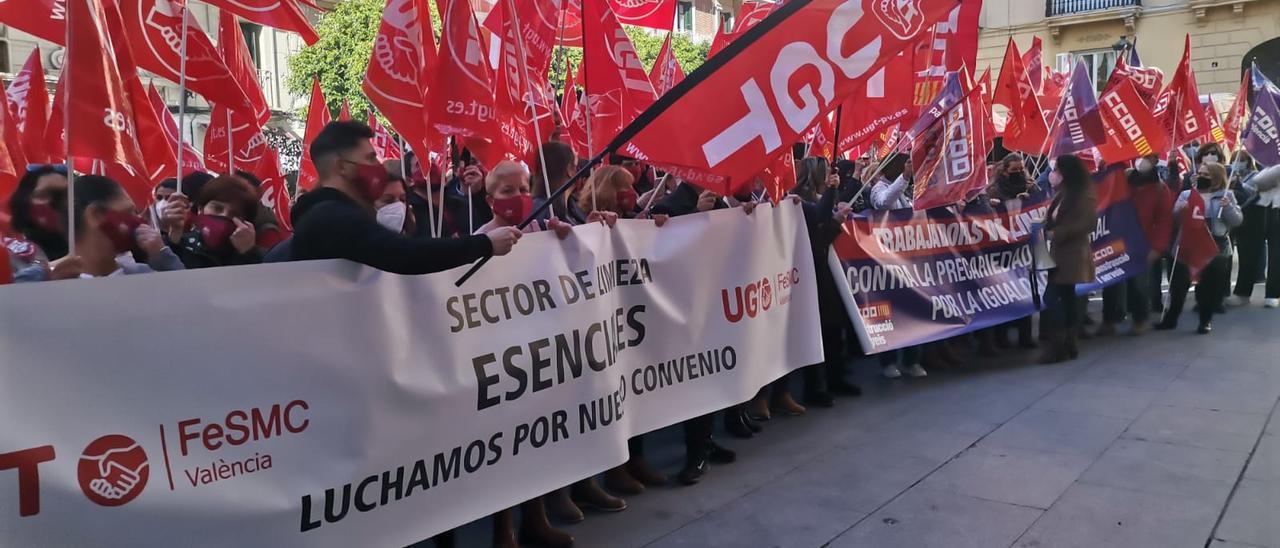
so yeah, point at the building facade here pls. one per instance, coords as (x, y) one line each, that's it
(1222, 33)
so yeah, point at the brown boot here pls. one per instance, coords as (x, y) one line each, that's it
(535, 530)
(787, 405)
(588, 493)
(561, 505)
(504, 529)
(619, 480)
(640, 470)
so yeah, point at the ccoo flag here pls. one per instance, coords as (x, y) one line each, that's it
(1079, 124)
(1261, 132)
(1132, 131)
(949, 147)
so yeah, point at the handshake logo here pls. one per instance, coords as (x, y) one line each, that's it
(113, 470)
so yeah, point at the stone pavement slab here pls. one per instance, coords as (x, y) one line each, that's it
(1095, 516)
(929, 517)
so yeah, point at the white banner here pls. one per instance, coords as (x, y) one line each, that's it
(329, 404)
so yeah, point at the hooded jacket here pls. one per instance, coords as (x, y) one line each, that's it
(328, 224)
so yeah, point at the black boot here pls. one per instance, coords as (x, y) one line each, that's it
(753, 425)
(1206, 321)
(735, 423)
(1170, 320)
(696, 463)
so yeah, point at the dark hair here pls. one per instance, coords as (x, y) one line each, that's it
(93, 190)
(1075, 174)
(194, 182)
(249, 178)
(232, 190)
(170, 183)
(560, 158)
(895, 166)
(1207, 149)
(1011, 158)
(337, 137)
(20, 200)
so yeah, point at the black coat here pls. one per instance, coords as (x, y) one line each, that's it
(328, 224)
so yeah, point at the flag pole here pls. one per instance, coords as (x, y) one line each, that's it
(835, 141)
(182, 96)
(528, 88)
(66, 144)
(231, 155)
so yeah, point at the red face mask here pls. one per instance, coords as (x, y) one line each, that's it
(370, 179)
(514, 209)
(119, 228)
(627, 199)
(636, 169)
(215, 231)
(45, 217)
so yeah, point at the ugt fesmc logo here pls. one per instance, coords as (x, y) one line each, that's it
(758, 296)
(114, 469)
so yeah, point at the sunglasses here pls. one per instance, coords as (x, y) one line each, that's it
(57, 168)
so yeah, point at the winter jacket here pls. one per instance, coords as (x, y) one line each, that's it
(1152, 201)
(1219, 219)
(1070, 221)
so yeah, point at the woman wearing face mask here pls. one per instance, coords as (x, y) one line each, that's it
(509, 197)
(1071, 217)
(392, 208)
(1260, 232)
(610, 190)
(107, 228)
(222, 231)
(39, 207)
(1221, 214)
(1153, 204)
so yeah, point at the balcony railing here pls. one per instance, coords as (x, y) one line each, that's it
(1054, 8)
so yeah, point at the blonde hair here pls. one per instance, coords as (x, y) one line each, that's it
(502, 171)
(1217, 176)
(605, 184)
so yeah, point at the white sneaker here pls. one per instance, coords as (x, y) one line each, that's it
(1271, 303)
(916, 371)
(891, 372)
(1236, 300)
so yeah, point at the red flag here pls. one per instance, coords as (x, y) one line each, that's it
(344, 113)
(29, 105)
(569, 24)
(246, 140)
(780, 176)
(750, 14)
(1196, 247)
(1234, 123)
(55, 141)
(517, 99)
(1216, 132)
(747, 106)
(275, 193)
(280, 14)
(818, 139)
(235, 53)
(988, 123)
(383, 145)
(952, 45)
(618, 89)
(190, 158)
(99, 116)
(576, 112)
(12, 158)
(44, 19)
(1007, 92)
(654, 14)
(949, 156)
(1146, 80)
(1026, 130)
(461, 99)
(317, 117)
(666, 71)
(1178, 107)
(1033, 63)
(539, 25)
(154, 28)
(720, 40)
(888, 101)
(1132, 131)
(400, 69)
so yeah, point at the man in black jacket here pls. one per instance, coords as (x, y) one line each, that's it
(337, 220)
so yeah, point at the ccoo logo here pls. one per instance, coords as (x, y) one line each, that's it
(113, 470)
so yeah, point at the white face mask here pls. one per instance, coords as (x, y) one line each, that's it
(1055, 178)
(1210, 158)
(1145, 166)
(392, 216)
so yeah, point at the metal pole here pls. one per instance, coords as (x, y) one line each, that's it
(182, 96)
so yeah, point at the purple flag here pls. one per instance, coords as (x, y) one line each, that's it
(1079, 123)
(1261, 132)
(1134, 60)
(1259, 82)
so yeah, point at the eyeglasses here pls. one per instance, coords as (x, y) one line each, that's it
(57, 168)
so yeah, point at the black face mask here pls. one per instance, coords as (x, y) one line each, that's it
(1203, 183)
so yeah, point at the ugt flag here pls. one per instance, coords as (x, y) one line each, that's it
(949, 148)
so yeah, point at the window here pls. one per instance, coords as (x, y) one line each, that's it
(726, 21)
(684, 17)
(251, 34)
(1098, 63)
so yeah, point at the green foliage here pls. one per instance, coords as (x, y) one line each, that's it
(340, 58)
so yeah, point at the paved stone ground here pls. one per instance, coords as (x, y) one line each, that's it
(1168, 440)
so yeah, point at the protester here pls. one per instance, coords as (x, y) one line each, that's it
(426, 202)
(337, 219)
(264, 220)
(392, 207)
(561, 166)
(892, 190)
(1009, 183)
(1221, 214)
(38, 207)
(222, 233)
(1153, 205)
(609, 189)
(106, 231)
(511, 200)
(464, 199)
(1071, 218)
(1259, 234)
